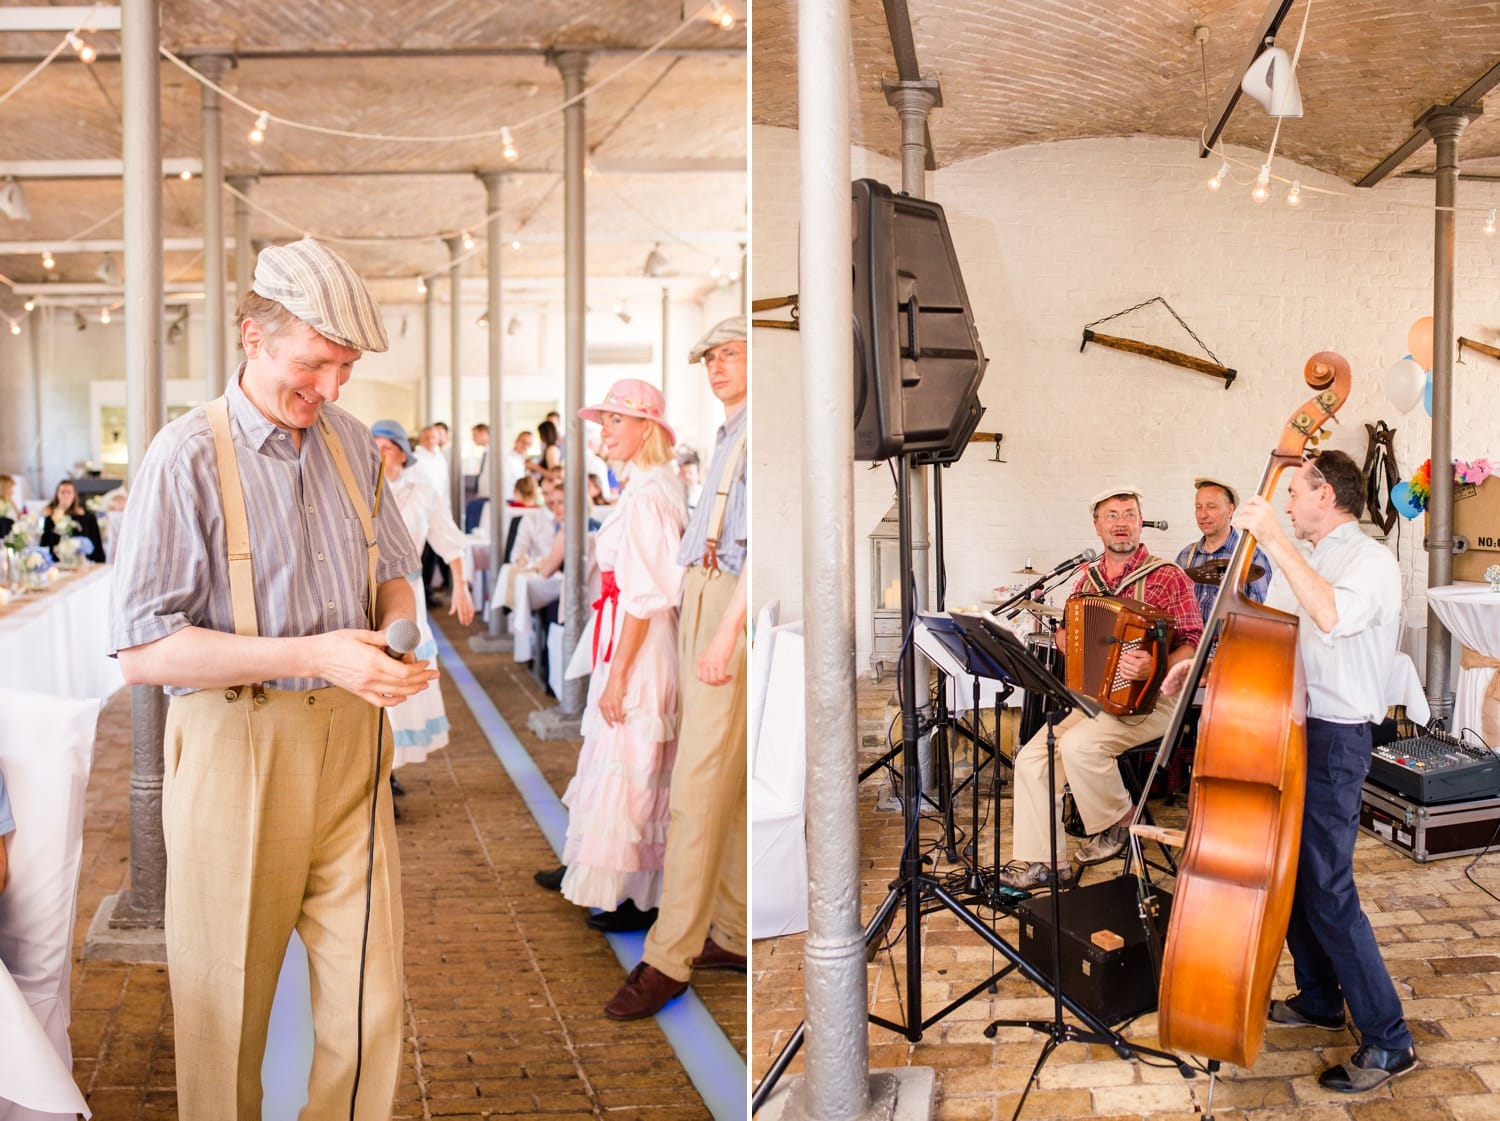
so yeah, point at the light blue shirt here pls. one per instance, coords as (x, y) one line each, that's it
(7, 821)
(734, 538)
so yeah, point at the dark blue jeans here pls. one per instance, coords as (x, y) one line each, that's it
(1333, 948)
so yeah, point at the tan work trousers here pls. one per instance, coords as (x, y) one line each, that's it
(703, 883)
(266, 810)
(1086, 753)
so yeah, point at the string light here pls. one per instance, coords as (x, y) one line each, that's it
(258, 132)
(29, 305)
(47, 260)
(1294, 196)
(104, 316)
(1489, 223)
(1262, 189)
(720, 15)
(716, 271)
(421, 286)
(468, 240)
(507, 145)
(15, 327)
(1218, 180)
(515, 243)
(185, 174)
(86, 53)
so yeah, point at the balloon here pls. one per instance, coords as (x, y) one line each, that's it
(1419, 341)
(1401, 499)
(1427, 394)
(1403, 384)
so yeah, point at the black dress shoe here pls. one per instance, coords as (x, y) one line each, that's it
(1368, 1068)
(553, 878)
(1290, 1011)
(626, 917)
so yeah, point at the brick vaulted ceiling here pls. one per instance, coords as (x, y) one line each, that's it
(667, 137)
(1017, 72)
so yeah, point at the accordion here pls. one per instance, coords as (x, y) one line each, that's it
(1100, 629)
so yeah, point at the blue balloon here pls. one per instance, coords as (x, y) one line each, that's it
(1403, 500)
(1427, 394)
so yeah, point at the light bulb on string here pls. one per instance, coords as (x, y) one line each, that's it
(15, 326)
(85, 52)
(29, 305)
(258, 131)
(1218, 180)
(1262, 189)
(507, 144)
(720, 15)
(468, 240)
(515, 243)
(48, 261)
(185, 174)
(716, 271)
(1294, 196)
(1489, 223)
(421, 286)
(104, 315)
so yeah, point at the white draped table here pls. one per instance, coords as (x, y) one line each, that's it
(56, 641)
(1472, 612)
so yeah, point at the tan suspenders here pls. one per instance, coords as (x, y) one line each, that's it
(721, 501)
(237, 523)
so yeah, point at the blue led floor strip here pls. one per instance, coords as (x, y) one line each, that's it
(715, 1067)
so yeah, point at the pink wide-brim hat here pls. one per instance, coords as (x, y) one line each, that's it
(633, 397)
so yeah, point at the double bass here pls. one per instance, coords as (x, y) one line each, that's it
(1238, 868)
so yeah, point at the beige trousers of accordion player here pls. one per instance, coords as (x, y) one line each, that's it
(266, 808)
(1086, 751)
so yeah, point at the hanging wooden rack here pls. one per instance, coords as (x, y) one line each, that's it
(1176, 358)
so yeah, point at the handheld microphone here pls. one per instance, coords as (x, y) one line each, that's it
(1073, 562)
(1154, 525)
(401, 638)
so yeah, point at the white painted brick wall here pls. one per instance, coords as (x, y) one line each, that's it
(1053, 236)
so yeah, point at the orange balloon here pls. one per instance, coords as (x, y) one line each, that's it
(1419, 341)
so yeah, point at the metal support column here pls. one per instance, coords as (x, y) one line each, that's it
(456, 384)
(1445, 124)
(244, 250)
(213, 66)
(495, 460)
(427, 407)
(143, 904)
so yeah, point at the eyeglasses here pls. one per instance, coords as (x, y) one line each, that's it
(1119, 516)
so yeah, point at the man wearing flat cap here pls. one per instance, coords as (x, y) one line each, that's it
(1213, 505)
(1087, 748)
(701, 922)
(256, 576)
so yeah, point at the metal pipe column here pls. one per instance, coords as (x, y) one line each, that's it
(244, 249)
(666, 319)
(144, 903)
(494, 461)
(456, 382)
(1445, 124)
(427, 407)
(833, 978)
(215, 352)
(573, 65)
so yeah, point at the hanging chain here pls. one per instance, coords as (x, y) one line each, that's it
(1159, 300)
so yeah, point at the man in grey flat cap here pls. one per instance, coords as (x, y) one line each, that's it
(254, 584)
(701, 922)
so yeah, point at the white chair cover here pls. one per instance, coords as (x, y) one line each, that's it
(46, 749)
(778, 838)
(762, 642)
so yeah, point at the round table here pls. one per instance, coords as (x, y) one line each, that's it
(1472, 612)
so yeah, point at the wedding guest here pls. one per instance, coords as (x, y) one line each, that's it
(617, 801)
(66, 504)
(9, 511)
(7, 827)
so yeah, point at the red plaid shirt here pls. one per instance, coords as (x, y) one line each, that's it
(1167, 589)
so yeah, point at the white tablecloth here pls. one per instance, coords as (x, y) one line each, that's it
(55, 643)
(1472, 612)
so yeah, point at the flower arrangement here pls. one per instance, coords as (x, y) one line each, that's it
(64, 526)
(95, 505)
(73, 549)
(35, 559)
(1411, 496)
(27, 531)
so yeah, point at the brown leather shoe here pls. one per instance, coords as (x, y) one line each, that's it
(644, 993)
(715, 956)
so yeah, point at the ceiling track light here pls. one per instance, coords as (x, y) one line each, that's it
(258, 131)
(656, 262)
(1218, 180)
(1294, 196)
(1489, 223)
(1262, 190)
(13, 201)
(507, 144)
(85, 52)
(513, 326)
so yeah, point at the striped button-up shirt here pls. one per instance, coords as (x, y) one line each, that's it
(734, 537)
(172, 567)
(1167, 589)
(1195, 554)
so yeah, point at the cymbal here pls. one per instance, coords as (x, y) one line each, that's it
(1212, 572)
(1027, 571)
(1036, 607)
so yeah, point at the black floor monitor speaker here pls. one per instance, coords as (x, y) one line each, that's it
(917, 358)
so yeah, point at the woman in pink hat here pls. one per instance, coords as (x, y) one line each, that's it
(617, 801)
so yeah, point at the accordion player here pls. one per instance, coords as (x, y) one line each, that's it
(1102, 628)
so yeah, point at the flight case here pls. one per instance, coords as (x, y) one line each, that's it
(1429, 832)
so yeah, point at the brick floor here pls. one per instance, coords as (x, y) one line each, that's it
(1439, 933)
(504, 983)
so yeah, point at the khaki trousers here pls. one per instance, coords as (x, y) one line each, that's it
(703, 883)
(266, 811)
(1086, 753)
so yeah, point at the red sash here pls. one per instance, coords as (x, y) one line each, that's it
(609, 592)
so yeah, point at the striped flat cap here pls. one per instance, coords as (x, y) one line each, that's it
(725, 331)
(320, 288)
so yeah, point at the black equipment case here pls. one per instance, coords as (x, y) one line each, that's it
(1114, 984)
(1429, 832)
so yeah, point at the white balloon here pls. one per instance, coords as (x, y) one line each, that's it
(1405, 381)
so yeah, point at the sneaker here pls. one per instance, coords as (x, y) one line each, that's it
(1104, 846)
(1288, 1011)
(1368, 1068)
(1028, 877)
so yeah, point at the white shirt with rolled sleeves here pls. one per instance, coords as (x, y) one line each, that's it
(1347, 668)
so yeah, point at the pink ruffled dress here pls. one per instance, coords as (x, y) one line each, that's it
(617, 801)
